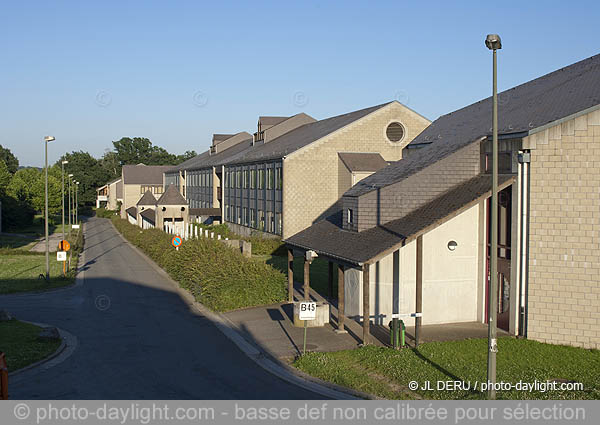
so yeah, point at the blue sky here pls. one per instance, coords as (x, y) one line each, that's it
(176, 72)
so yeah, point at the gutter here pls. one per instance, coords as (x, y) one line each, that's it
(346, 260)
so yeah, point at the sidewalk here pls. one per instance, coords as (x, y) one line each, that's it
(271, 328)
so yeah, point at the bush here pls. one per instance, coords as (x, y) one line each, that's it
(237, 282)
(260, 244)
(16, 213)
(105, 213)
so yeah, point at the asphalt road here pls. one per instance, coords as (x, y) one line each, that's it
(137, 338)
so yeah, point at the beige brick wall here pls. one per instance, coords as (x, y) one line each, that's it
(131, 195)
(305, 202)
(564, 264)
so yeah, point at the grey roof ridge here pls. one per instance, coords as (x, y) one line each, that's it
(416, 169)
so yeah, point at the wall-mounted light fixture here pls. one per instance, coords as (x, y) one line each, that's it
(452, 245)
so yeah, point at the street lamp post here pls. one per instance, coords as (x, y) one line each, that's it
(47, 140)
(493, 43)
(62, 163)
(70, 176)
(76, 203)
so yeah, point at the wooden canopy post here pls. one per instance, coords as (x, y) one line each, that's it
(366, 305)
(290, 256)
(419, 290)
(341, 305)
(330, 281)
(306, 279)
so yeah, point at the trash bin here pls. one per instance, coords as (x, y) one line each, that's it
(397, 333)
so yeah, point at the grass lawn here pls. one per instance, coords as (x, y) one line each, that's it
(319, 272)
(387, 373)
(16, 242)
(20, 272)
(19, 342)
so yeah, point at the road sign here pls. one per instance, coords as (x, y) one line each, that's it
(308, 310)
(64, 245)
(176, 241)
(61, 255)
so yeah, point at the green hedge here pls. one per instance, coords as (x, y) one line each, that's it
(105, 213)
(218, 276)
(260, 244)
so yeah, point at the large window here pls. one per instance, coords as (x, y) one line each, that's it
(261, 179)
(252, 179)
(253, 218)
(278, 179)
(270, 178)
(245, 183)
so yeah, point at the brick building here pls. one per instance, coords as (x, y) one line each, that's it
(413, 237)
(293, 170)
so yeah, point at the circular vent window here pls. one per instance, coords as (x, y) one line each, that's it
(395, 132)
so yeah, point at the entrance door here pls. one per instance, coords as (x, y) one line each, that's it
(503, 255)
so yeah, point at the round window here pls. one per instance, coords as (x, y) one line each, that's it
(395, 132)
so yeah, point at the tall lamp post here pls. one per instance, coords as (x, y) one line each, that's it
(493, 43)
(62, 163)
(76, 203)
(70, 176)
(47, 140)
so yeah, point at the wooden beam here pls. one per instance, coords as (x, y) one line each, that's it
(306, 279)
(290, 275)
(366, 305)
(330, 281)
(419, 290)
(341, 300)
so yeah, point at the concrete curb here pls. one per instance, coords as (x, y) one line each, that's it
(62, 353)
(230, 330)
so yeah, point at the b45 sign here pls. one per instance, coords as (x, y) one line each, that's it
(308, 311)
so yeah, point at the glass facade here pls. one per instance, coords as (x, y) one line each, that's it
(252, 196)
(199, 188)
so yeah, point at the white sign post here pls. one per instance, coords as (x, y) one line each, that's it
(308, 311)
(61, 255)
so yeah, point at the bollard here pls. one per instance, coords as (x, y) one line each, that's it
(219, 237)
(3, 377)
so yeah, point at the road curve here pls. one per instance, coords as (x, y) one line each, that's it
(137, 338)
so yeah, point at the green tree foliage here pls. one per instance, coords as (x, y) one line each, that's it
(28, 187)
(87, 170)
(140, 150)
(11, 161)
(185, 156)
(5, 178)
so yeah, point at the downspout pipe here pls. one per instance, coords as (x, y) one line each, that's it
(524, 160)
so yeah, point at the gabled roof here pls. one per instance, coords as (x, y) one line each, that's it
(171, 197)
(521, 110)
(301, 136)
(328, 238)
(149, 214)
(269, 120)
(362, 162)
(132, 211)
(144, 174)
(147, 199)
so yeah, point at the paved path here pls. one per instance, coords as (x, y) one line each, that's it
(137, 338)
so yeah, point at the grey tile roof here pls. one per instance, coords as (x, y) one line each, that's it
(188, 163)
(144, 174)
(171, 197)
(300, 137)
(358, 162)
(268, 120)
(149, 214)
(520, 109)
(147, 199)
(327, 237)
(132, 211)
(221, 157)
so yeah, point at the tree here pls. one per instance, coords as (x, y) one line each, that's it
(110, 164)
(87, 170)
(140, 150)
(11, 161)
(5, 178)
(185, 156)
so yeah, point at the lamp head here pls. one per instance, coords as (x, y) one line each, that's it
(65, 162)
(49, 138)
(70, 175)
(493, 42)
